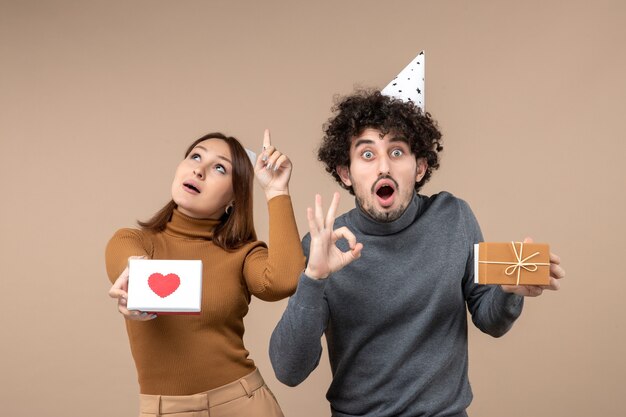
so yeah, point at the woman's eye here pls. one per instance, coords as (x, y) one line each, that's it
(396, 153)
(195, 157)
(367, 154)
(220, 168)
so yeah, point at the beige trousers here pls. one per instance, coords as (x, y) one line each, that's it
(248, 396)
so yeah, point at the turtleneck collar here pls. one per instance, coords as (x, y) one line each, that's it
(187, 227)
(369, 226)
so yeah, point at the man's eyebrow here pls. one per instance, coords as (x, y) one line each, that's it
(360, 142)
(399, 139)
(219, 156)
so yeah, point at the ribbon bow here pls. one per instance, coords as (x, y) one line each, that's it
(521, 263)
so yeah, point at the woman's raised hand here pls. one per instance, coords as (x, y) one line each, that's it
(272, 169)
(324, 255)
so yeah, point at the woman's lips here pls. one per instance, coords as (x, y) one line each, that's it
(191, 187)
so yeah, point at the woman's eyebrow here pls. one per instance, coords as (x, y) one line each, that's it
(219, 156)
(225, 159)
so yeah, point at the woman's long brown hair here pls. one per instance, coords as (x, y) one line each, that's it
(237, 228)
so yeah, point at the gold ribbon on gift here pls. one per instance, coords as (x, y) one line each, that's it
(521, 263)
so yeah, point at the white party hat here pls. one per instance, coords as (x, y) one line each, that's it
(251, 156)
(409, 83)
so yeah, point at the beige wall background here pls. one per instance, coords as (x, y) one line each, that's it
(99, 99)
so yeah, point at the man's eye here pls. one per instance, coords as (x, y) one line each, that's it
(396, 153)
(367, 154)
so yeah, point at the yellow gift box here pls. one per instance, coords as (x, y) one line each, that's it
(512, 263)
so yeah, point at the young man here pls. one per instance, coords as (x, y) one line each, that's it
(395, 319)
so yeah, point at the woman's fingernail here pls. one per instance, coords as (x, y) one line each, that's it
(154, 316)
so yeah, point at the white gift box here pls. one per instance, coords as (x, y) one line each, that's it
(165, 286)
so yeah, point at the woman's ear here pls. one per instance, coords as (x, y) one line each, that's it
(344, 174)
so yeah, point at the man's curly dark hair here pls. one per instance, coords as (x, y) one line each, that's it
(370, 109)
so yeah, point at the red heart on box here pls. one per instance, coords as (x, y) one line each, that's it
(163, 285)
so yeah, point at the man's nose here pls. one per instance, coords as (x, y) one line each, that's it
(383, 165)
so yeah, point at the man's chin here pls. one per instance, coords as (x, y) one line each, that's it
(376, 211)
(384, 214)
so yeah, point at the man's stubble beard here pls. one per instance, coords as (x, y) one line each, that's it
(382, 216)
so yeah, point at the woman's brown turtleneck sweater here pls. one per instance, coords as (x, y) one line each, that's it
(188, 354)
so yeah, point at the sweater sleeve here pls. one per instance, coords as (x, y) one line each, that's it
(493, 311)
(295, 345)
(123, 244)
(272, 274)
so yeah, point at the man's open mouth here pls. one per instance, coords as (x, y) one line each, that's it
(385, 189)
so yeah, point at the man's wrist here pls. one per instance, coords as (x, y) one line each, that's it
(314, 274)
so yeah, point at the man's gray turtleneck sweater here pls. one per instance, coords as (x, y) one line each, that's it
(395, 319)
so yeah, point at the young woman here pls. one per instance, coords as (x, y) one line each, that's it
(198, 365)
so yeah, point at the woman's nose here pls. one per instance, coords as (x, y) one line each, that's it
(198, 172)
